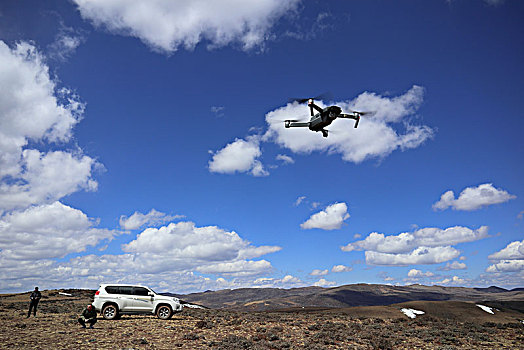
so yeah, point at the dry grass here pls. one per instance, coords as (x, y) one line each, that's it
(56, 328)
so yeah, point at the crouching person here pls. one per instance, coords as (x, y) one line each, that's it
(88, 316)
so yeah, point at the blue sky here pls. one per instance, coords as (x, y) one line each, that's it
(140, 144)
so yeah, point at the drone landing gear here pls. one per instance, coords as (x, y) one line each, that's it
(324, 133)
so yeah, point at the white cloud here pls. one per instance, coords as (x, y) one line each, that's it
(420, 255)
(285, 159)
(239, 156)
(341, 268)
(46, 232)
(453, 280)
(47, 177)
(507, 266)
(318, 272)
(237, 268)
(185, 244)
(455, 265)
(473, 198)
(152, 218)
(288, 281)
(33, 108)
(166, 25)
(375, 137)
(509, 260)
(324, 283)
(513, 251)
(423, 246)
(414, 273)
(171, 254)
(329, 219)
(407, 241)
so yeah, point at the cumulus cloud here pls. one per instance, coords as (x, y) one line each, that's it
(473, 198)
(166, 26)
(387, 130)
(185, 245)
(376, 137)
(455, 265)
(341, 268)
(324, 283)
(420, 255)
(172, 253)
(33, 108)
(287, 281)
(237, 268)
(414, 273)
(331, 218)
(429, 245)
(509, 260)
(453, 280)
(513, 251)
(138, 220)
(239, 156)
(47, 177)
(48, 231)
(507, 266)
(318, 272)
(407, 241)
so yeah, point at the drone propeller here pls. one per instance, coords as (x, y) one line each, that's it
(362, 113)
(324, 96)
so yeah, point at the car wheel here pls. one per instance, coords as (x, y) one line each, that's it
(164, 312)
(110, 312)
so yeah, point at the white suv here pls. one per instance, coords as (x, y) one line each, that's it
(113, 300)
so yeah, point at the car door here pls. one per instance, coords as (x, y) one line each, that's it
(142, 300)
(126, 298)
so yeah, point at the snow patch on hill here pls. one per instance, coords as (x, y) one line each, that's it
(486, 308)
(411, 313)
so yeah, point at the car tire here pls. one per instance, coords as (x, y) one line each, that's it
(110, 312)
(164, 312)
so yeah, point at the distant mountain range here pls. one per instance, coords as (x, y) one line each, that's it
(350, 295)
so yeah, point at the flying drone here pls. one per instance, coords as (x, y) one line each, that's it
(323, 117)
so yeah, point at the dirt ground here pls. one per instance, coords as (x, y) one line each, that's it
(55, 327)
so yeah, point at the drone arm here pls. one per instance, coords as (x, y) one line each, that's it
(351, 116)
(291, 124)
(312, 106)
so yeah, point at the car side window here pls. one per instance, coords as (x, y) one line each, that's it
(140, 291)
(112, 290)
(126, 290)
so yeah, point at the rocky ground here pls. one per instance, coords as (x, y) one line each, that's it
(55, 327)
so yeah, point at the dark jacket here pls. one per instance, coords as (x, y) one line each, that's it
(35, 295)
(89, 314)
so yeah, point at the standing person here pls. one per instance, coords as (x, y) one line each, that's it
(35, 298)
(89, 316)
